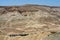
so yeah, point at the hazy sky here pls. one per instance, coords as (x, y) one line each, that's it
(22, 2)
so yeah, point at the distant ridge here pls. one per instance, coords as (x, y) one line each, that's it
(32, 5)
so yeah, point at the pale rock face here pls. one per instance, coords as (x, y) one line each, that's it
(29, 22)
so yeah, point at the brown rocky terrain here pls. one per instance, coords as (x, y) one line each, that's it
(29, 22)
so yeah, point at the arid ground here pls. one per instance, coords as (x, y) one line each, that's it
(29, 22)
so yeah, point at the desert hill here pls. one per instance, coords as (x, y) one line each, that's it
(29, 20)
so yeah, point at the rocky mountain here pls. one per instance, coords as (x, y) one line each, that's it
(34, 22)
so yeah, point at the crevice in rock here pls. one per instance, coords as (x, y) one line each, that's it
(14, 35)
(53, 32)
